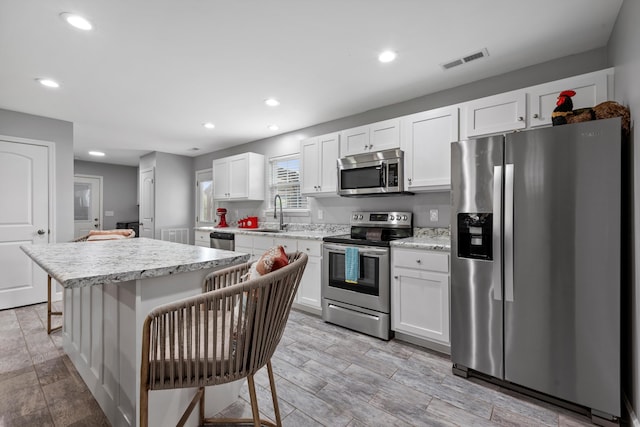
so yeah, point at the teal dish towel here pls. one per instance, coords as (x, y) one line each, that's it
(351, 265)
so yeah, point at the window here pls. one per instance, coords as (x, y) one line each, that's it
(285, 181)
(205, 212)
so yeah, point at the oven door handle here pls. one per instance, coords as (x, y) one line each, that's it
(368, 251)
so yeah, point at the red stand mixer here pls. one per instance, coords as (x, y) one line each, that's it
(222, 213)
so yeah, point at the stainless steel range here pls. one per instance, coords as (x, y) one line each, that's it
(355, 272)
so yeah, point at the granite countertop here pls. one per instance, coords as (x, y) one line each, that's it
(435, 239)
(432, 243)
(79, 264)
(317, 234)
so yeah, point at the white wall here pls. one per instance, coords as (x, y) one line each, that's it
(174, 195)
(174, 192)
(59, 132)
(624, 55)
(119, 192)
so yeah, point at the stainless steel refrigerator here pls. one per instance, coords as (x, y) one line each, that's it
(535, 265)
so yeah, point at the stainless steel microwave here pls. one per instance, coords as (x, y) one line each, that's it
(371, 174)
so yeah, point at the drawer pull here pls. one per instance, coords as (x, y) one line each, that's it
(419, 261)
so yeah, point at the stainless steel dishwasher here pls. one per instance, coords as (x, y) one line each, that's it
(220, 240)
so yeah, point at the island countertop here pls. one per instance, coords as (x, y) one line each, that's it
(78, 264)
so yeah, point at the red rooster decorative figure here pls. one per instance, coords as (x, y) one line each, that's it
(564, 112)
(564, 108)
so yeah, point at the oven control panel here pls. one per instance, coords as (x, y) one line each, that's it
(382, 219)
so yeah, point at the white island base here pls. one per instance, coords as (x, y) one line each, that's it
(102, 335)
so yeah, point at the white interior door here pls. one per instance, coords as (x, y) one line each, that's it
(24, 220)
(147, 203)
(87, 204)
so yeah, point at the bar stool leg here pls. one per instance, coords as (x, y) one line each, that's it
(49, 312)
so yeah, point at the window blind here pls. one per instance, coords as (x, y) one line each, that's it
(285, 181)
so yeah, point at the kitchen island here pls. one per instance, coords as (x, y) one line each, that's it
(109, 287)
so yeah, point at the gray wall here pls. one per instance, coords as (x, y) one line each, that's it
(119, 190)
(624, 54)
(336, 210)
(60, 132)
(174, 190)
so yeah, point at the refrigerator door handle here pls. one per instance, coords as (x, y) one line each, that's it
(497, 221)
(508, 233)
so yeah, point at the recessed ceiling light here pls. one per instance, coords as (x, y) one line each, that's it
(209, 125)
(96, 153)
(274, 127)
(76, 21)
(48, 82)
(387, 56)
(272, 102)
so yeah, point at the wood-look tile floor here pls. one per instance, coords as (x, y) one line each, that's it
(325, 376)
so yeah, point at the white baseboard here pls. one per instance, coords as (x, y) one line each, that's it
(632, 415)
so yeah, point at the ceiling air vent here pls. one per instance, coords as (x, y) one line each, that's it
(452, 64)
(468, 58)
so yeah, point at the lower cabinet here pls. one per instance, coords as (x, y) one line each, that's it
(308, 297)
(420, 294)
(202, 238)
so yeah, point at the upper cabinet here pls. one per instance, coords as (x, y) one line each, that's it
(532, 107)
(319, 165)
(495, 114)
(239, 177)
(426, 142)
(374, 137)
(591, 89)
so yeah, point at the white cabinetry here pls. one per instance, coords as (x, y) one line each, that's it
(239, 177)
(378, 136)
(203, 239)
(319, 165)
(420, 294)
(308, 297)
(426, 142)
(309, 294)
(591, 89)
(532, 106)
(495, 114)
(244, 244)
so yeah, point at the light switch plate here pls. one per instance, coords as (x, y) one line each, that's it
(433, 215)
(320, 214)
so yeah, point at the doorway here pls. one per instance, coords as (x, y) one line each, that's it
(147, 203)
(87, 204)
(25, 183)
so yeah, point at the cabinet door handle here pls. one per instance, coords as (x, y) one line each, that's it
(41, 232)
(419, 261)
(535, 116)
(521, 119)
(395, 277)
(409, 180)
(370, 146)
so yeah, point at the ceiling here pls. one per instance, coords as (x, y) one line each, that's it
(151, 72)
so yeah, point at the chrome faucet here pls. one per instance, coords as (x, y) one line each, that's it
(275, 199)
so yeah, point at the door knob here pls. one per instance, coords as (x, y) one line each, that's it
(41, 232)
(95, 219)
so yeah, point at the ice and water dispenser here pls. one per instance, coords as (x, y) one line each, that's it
(475, 236)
